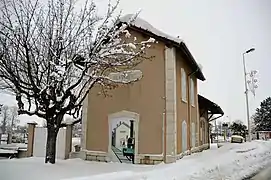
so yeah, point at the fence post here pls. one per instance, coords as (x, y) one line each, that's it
(68, 144)
(30, 138)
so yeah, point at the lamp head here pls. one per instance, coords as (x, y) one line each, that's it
(250, 50)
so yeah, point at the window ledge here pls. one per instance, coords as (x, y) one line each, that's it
(184, 101)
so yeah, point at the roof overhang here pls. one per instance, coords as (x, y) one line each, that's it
(212, 107)
(194, 65)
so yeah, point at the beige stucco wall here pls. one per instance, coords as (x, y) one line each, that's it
(157, 93)
(182, 107)
(144, 97)
(194, 112)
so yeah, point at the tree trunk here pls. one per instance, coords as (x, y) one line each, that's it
(51, 145)
(52, 131)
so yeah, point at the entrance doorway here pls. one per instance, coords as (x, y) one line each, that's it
(123, 135)
(123, 139)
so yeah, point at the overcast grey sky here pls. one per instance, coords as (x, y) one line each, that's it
(217, 32)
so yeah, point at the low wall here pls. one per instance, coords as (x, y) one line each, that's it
(148, 159)
(39, 146)
(22, 154)
(37, 137)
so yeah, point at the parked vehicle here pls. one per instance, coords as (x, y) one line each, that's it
(237, 139)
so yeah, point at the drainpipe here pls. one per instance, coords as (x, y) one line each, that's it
(164, 116)
(189, 109)
(164, 138)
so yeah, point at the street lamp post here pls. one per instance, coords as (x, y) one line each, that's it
(246, 92)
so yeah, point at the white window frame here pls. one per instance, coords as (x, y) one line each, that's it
(184, 136)
(193, 134)
(183, 85)
(192, 92)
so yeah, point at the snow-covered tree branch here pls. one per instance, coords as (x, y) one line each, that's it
(52, 55)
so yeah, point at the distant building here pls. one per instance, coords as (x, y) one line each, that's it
(120, 135)
(264, 134)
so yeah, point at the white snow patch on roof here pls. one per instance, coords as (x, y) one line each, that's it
(142, 24)
(32, 122)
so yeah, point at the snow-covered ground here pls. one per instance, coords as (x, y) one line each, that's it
(14, 145)
(11, 148)
(231, 162)
(4, 151)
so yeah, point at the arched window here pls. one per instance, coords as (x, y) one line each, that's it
(183, 86)
(184, 136)
(203, 132)
(193, 134)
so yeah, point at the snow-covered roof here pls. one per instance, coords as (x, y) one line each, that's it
(237, 136)
(122, 123)
(209, 105)
(147, 27)
(32, 122)
(68, 119)
(142, 24)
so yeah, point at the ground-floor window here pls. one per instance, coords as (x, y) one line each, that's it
(200, 135)
(202, 132)
(184, 136)
(193, 130)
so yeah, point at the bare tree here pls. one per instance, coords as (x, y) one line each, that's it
(253, 126)
(44, 124)
(52, 55)
(5, 118)
(13, 117)
(9, 118)
(1, 105)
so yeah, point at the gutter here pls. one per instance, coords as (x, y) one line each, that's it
(188, 53)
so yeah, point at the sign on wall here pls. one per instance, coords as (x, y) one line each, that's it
(126, 76)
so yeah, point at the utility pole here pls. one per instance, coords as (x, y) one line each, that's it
(246, 92)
